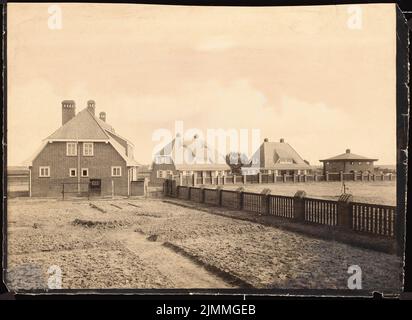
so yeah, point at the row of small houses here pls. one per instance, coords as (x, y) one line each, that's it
(87, 155)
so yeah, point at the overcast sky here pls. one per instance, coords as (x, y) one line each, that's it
(295, 73)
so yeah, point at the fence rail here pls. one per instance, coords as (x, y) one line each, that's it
(281, 206)
(321, 211)
(364, 218)
(266, 178)
(252, 202)
(374, 219)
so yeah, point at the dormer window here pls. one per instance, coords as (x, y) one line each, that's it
(285, 161)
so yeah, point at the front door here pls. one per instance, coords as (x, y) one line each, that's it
(95, 187)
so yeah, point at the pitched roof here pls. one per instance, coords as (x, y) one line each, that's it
(122, 151)
(278, 155)
(193, 154)
(348, 156)
(86, 127)
(83, 126)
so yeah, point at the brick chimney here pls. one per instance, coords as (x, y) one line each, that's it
(282, 140)
(91, 106)
(266, 140)
(102, 116)
(68, 110)
(347, 150)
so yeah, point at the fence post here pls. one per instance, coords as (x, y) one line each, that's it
(340, 175)
(63, 190)
(305, 178)
(194, 177)
(224, 179)
(203, 179)
(180, 179)
(315, 177)
(274, 177)
(299, 205)
(219, 196)
(202, 195)
(165, 187)
(390, 176)
(373, 177)
(189, 192)
(354, 175)
(284, 178)
(326, 176)
(259, 177)
(234, 178)
(265, 201)
(345, 211)
(240, 197)
(244, 179)
(294, 177)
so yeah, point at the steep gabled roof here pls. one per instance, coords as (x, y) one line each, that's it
(349, 156)
(83, 126)
(86, 127)
(278, 155)
(193, 155)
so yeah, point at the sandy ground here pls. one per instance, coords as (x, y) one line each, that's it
(378, 192)
(122, 248)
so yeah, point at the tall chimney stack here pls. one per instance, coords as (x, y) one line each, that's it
(282, 140)
(68, 110)
(91, 106)
(102, 116)
(347, 150)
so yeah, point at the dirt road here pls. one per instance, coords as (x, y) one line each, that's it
(181, 271)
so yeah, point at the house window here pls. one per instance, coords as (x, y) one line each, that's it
(352, 163)
(163, 160)
(44, 172)
(116, 171)
(72, 172)
(160, 173)
(85, 172)
(71, 149)
(88, 149)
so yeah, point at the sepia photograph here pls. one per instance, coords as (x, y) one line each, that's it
(206, 148)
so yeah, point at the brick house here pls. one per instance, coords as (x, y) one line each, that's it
(277, 158)
(348, 162)
(84, 151)
(188, 158)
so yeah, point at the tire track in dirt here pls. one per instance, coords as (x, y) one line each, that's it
(180, 270)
